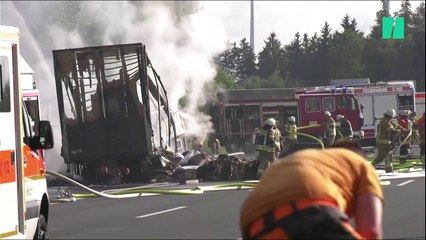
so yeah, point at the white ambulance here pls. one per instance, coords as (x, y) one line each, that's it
(24, 202)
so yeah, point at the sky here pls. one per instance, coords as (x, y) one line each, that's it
(285, 18)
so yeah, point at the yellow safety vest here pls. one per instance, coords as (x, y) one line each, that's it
(330, 127)
(263, 139)
(384, 128)
(292, 130)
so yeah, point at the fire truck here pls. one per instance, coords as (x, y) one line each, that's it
(376, 98)
(239, 114)
(24, 201)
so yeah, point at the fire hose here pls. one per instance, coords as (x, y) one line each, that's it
(318, 125)
(403, 142)
(142, 191)
(310, 136)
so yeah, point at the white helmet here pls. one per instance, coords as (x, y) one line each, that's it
(340, 116)
(403, 113)
(390, 112)
(291, 119)
(271, 122)
(327, 113)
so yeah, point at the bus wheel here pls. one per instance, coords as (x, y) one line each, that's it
(41, 231)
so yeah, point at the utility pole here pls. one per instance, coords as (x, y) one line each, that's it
(252, 25)
(386, 7)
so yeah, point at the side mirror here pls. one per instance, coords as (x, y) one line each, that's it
(362, 106)
(45, 135)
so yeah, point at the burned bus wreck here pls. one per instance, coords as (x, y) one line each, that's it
(114, 112)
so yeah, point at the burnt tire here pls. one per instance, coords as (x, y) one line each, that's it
(41, 231)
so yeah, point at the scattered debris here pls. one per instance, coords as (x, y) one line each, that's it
(196, 165)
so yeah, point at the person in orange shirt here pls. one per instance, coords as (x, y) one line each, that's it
(313, 193)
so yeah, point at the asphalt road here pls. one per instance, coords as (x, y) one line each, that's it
(213, 215)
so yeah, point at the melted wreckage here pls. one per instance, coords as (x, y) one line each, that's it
(117, 126)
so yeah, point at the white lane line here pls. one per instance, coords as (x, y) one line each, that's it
(405, 183)
(402, 175)
(161, 212)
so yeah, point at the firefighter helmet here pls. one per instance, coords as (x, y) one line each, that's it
(390, 112)
(340, 116)
(327, 113)
(291, 119)
(404, 113)
(271, 122)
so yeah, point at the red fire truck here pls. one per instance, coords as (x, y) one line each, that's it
(240, 113)
(378, 97)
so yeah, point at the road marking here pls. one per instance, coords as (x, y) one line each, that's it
(385, 182)
(161, 212)
(401, 175)
(405, 183)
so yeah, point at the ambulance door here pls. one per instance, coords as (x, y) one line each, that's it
(11, 167)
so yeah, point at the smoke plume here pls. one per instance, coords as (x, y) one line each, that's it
(181, 38)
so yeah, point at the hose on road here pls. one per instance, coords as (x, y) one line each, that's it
(142, 191)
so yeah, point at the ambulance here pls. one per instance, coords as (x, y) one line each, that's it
(24, 201)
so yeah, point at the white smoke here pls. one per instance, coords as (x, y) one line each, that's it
(181, 39)
(180, 47)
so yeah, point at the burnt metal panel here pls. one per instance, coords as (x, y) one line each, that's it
(101, 114)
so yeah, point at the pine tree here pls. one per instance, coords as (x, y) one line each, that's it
(271, 57)
(294, 53)
(247, 65)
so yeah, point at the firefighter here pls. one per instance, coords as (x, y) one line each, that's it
(267, 145)
(291, 136)
(216, 146)
(385, 129)
(278, 141)
(421, 128)
(415, 138)
(330, 129)
(345, 127)
(404, 138)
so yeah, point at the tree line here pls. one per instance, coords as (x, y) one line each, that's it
(314, 60)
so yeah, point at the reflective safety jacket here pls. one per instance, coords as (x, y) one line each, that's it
(330, 127)
(292, 132)
(384, 130)
(266, 140)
